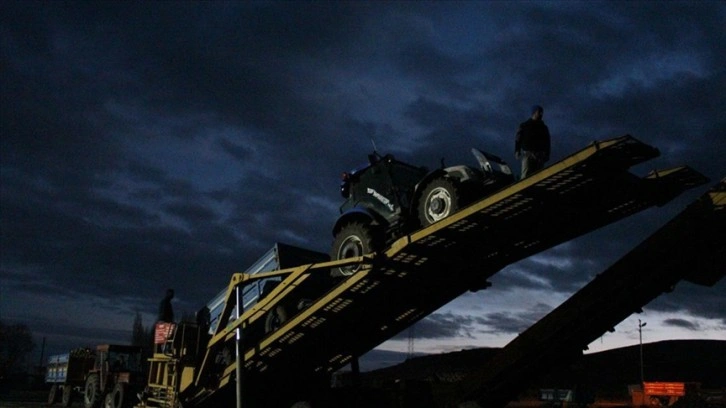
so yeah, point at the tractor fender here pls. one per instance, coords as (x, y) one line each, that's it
(427, 179)
(360, 214)
(489, 163)
(462, 173)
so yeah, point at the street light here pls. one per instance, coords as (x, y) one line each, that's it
(640, 333)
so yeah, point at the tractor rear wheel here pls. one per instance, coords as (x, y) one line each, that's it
(354, 239)
(440, 198)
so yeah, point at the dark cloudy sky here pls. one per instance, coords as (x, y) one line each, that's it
(149, 145)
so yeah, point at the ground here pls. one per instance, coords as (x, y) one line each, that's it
(26, 399)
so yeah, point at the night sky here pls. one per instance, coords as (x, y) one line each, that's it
(149, 145)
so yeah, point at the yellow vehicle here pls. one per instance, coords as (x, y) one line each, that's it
(329, 322)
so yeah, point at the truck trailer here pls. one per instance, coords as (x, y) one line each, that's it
(66, 373)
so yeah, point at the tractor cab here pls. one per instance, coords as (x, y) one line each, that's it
(385, 187)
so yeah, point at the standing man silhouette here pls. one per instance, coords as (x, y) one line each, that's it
(166, 313)
(532, 143)
(164, 323)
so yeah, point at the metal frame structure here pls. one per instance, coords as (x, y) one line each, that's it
(690, 247)
(421, 272)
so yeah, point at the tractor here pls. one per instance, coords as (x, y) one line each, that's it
(115, 377)
(387, 199)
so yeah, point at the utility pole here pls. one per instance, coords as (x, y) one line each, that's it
(42, 355)
(411, 337)
(640, 333)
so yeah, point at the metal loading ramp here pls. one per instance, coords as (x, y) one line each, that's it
(421, 272)
(692, 246)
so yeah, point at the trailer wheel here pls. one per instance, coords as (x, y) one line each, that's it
(67, 399)
(354, 239)
(275, 318)
(53, 394)
(439, 199)
(92, 392)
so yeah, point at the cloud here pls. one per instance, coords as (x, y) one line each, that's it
(441, 326)
(505, 322)
(445, 325)
(694, 300)
(682, 323)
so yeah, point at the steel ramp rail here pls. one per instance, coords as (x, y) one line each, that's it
(421, 272)
(692, 246)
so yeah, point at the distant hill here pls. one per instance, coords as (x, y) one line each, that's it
(701, 361)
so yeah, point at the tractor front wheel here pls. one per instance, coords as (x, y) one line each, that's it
(119, 396)
(67, 399)
(92, 393)
(354, 239)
